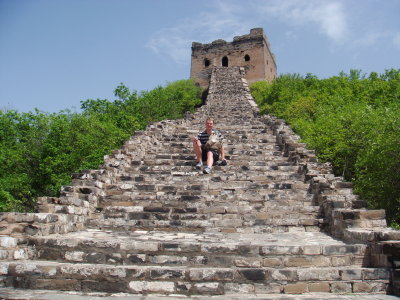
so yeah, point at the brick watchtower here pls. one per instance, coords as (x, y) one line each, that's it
(251, 51)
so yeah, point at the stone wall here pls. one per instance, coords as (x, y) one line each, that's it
(228, 201)
(251, 51)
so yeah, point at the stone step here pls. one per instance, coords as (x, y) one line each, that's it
(235, 166)
(223, 208)
(123, 226)
(179, 152)
(152, 223)
(172, 213)
(208, 220)
(200, 189)
(227, 130)
(220, 225)
(39, 223)
(186, 280)
(285, 250)
(246, 200)
(237, 293)
(243, 198)
(168, 179)
(245, 203)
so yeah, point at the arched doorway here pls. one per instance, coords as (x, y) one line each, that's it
(225, 61)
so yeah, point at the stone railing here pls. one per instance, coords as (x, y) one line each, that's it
(345, 215)
(79, 201)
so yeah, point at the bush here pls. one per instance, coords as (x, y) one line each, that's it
(350, 120)
(39, 151)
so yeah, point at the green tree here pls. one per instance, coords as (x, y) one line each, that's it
(39, 151)
(351, 120)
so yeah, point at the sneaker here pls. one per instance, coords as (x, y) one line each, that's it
(199, 165)
(207, 170)
(223, 162)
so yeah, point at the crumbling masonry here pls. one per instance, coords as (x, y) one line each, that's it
(274, 220)
(251, 51)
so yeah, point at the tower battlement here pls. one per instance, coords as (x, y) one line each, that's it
(251, 51)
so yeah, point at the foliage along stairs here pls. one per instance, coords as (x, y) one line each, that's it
(272, 221)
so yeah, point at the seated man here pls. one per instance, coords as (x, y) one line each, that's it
(207, 149)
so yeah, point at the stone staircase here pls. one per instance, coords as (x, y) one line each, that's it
(272, 221)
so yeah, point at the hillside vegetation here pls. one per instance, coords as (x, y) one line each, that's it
(351, 120)
(39, 151)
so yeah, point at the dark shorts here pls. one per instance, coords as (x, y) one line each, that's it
(215, 155)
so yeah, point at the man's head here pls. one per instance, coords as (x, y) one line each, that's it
(209, 124)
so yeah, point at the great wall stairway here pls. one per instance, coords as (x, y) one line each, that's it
(273, 221)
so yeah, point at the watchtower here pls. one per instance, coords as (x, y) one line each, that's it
(251, 51)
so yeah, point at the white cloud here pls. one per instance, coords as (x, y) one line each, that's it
(374, 38)
(370, 38)
(225, 19)
(338, 21)
(222, 21)
(396, 40)
(328, 16)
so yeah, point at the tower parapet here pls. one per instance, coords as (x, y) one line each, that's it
(251, 51)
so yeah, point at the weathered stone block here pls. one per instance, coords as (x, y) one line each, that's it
(114, 258)
(20, 254)
(238, 288)
(136, 258)
(79, 271)
(33, 269)
(375, 274)
(338, 261)
(369, 287)
(318, 274)
(4, 268)
(268, 288)
(154, 287)
(295, 288)
(214, 288)
(211, 274)
(168, 259)
(57, 284)
(104, 286)
(118, 272)
(5, 254)
(351, 274)
(272, 262)
(284, 275)
(253, 274)
(183, 287)
(247, 262)
(278, 250)
(219, 248)
(321, 287)
(307, 261)
(140, 246)
(341, 287)
(74, 255)
(312, 249)
(341, 249)
(135, 273)
(167, 274)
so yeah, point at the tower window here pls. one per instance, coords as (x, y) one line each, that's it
(206, 62)
(246, 57)
(225, 61)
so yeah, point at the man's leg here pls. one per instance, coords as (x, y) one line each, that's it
(210, 159)
(197, 150)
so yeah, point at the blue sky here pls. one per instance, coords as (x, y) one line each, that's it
(55, 53)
